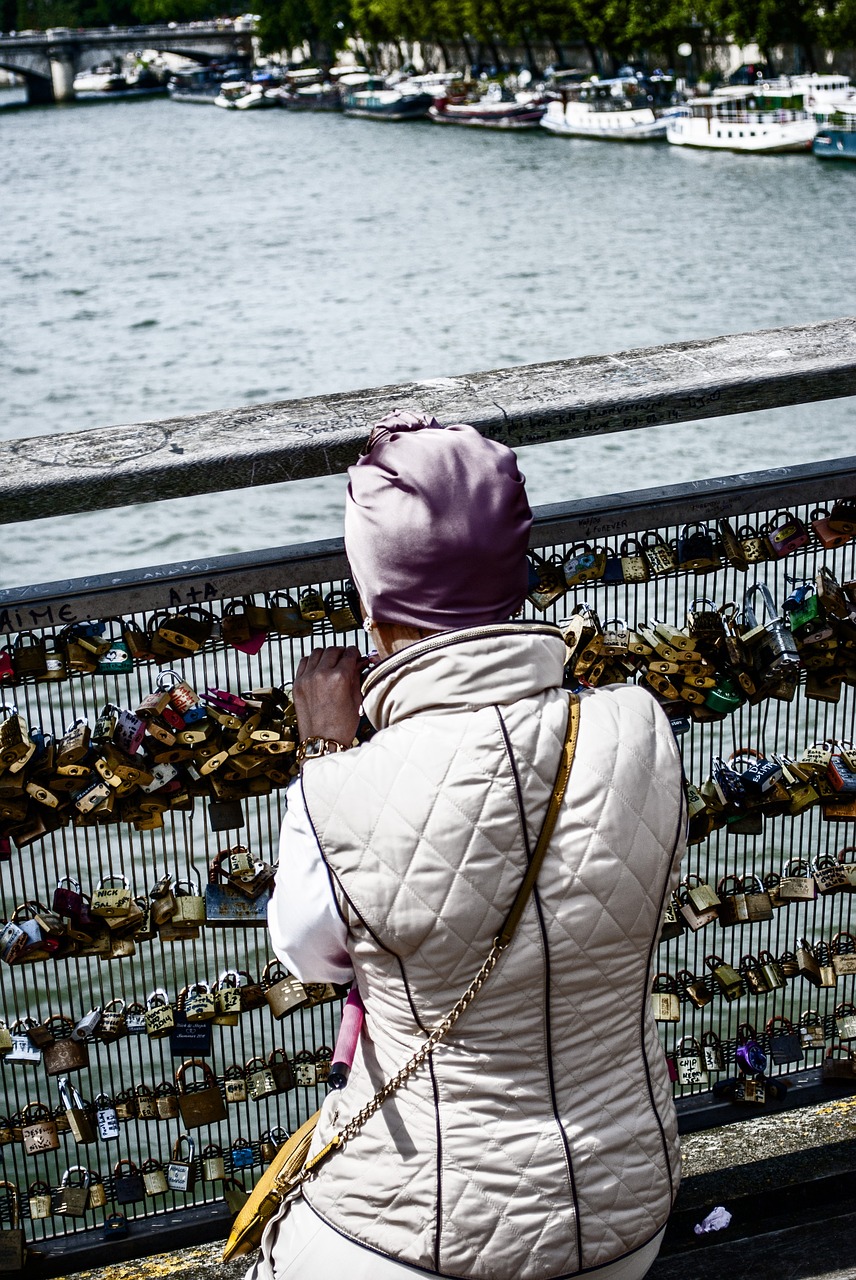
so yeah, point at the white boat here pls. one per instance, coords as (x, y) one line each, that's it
(612, 110)
(758, 121)
(241, 96)
(826, 94)
(99, 80)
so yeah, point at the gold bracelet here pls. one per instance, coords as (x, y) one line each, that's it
(313, 748)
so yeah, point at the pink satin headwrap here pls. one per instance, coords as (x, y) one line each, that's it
(437, 525)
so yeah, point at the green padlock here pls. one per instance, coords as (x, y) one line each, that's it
(725, 697)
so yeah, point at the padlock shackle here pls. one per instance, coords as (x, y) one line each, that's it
(769, 604)
(76, 1168)
(210, 1078)
(779, 1017)
(179, 1142)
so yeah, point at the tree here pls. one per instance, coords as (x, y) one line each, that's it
(322, 24)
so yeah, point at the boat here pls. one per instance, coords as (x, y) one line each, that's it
(825, 94)
(497, 109)
(198, 84)
(617, 110)
(760, 120)
(99, 80)
(836, 140)
(377, 102)
(320, 96)
(241, 95)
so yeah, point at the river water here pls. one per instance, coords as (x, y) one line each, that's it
(162, 259)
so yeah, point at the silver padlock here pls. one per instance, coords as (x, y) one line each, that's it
(180, 1173)
(106, 1118)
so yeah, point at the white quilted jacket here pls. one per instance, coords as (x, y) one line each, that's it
(541, 1139)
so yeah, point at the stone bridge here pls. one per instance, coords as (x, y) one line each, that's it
(49, 60)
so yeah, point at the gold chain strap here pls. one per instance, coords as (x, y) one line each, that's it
(285, 1183)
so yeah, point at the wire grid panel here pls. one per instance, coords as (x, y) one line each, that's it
(185, 845)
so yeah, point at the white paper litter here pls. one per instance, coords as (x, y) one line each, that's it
(715, 1221)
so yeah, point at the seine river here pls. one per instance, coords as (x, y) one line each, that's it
(162, 259)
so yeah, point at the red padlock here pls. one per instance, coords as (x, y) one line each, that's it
(785, 533)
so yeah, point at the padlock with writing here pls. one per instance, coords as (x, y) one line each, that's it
(227, 999)
(829, 875)
(106, 1118)
(311, 604)
(64, 1053)
(660, 555)
(260, 1081)
(812, 1032)
(235, 1084)
(181, 1171)
(713, 1056)
(110, 899)
(845, 1020)
(113, 1025)
(304, 1069)
(160, 1015)
(323, 1062)
(145, 1103)
(199, 1003)
(135, 1017)
(39, 1196)
(282, 992)
(785, 533)
(690, 1062)
(72, 1195)
(797, 883)
(844, 953)
(166, 1100)
(38, 1129)
(665, 999)
(154, 1177)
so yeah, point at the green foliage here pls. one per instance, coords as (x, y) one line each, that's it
(324, 24)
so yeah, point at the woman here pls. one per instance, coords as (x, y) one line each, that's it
(539, 1138)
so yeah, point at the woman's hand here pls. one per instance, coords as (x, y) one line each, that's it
(326, 694)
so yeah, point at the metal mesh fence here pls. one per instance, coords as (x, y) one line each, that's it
(174, 836)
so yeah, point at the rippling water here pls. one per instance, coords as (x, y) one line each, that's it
(163, 259)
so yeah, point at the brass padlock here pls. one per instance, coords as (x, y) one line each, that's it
(845, 1020)
(285, 616)
(145, 1103)
(339, 612)
(160, 1015)
(727, 978)
(844, 953)
(659, 554)
(64, 1053)
(213, 1163)
(665, 998)
(227, 999)
(546, 580)
(38, 1129)
(311, 604)
(113, 1025)
(811, 1030)
(281, 991)
(154, 1177)
(72, 1198)
(752, 972)
(29, 655)
(828, 976)
(807, 965)
(126, 1105)
(76, 1113)
(12, 1251)
(235, 1084)
(773, 971)
(205, 1105)
(189, 903)
(166, 1101)
(695, 989)
(39, 1196)
(260, 1081)
(109, 902)
(690, 1062)
(797, 883)
(699, 902)
(283, 1074)
(304, 1069)
(199, 1003)
(323, 1062)
(733, 905)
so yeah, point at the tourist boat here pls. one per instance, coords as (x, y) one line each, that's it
(377, 102)
(836, 141)
(199, 85)
(99, 80)
(825, 94)
(498, 109)
(613, 110)
(758, 120)
(313, 97)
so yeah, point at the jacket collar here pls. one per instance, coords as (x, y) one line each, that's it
(464, 670)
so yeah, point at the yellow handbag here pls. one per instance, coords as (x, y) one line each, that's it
(290, 1168)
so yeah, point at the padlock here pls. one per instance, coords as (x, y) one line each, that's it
(311, 605)
(177, 635)
(189, 1038)
(236, 630)
(161, 902)
(546, 580)
(16, 746)
(106, 1118)
(113, 1024)
(844, 953)
(38, 1129)
(126, 1105)
(7, 1132)
(225, 815)
(340, 614)
(189, 903)
(845, 1020)
(282, 992)
(696, 549)
(304, 1069)
(812, 1033)
(71, 1198)
(841, 773)
(711, 1047)
(283, 1074)
(166, 1101)
(127, 1183)
(160, 1015)
(117, 659)
(226, 906)
(68, 901)
(135, 1016)
(130, 732)
(727, 978)
(785, 533)
(660, 555)
(242, 1154)
(29, 655)
(752, 973)
(785, 1042)
(758, 902)
(807, 965)
(213, 1163)
(583, 564)
(5, 1040)
(839, 1064)
(267, 1147)
(180, 1172)
(205, 1105)
(323, 1062)
(673, 924)
(749, 1055)
(690, 1062)
(114, 1227)
(797, 883)
(695, 989)
(750, 1090)
(260, 1081)
(774, 974)
(235, 1084)
(825, 958)
(154, 1177)
(145, 1103)
(76, 1113)
(699, 903)
(773, 649)
(285, 616)
(827, 535)
(733, 905)
(829, 875)
(108, 902)
(258, 880)
(199, 1004)
(64, 1053)
(13, 942)
(39, 1197)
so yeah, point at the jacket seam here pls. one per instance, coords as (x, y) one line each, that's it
(330, 876)
(456, 1275)
(643, 1017)
(569, 1164)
